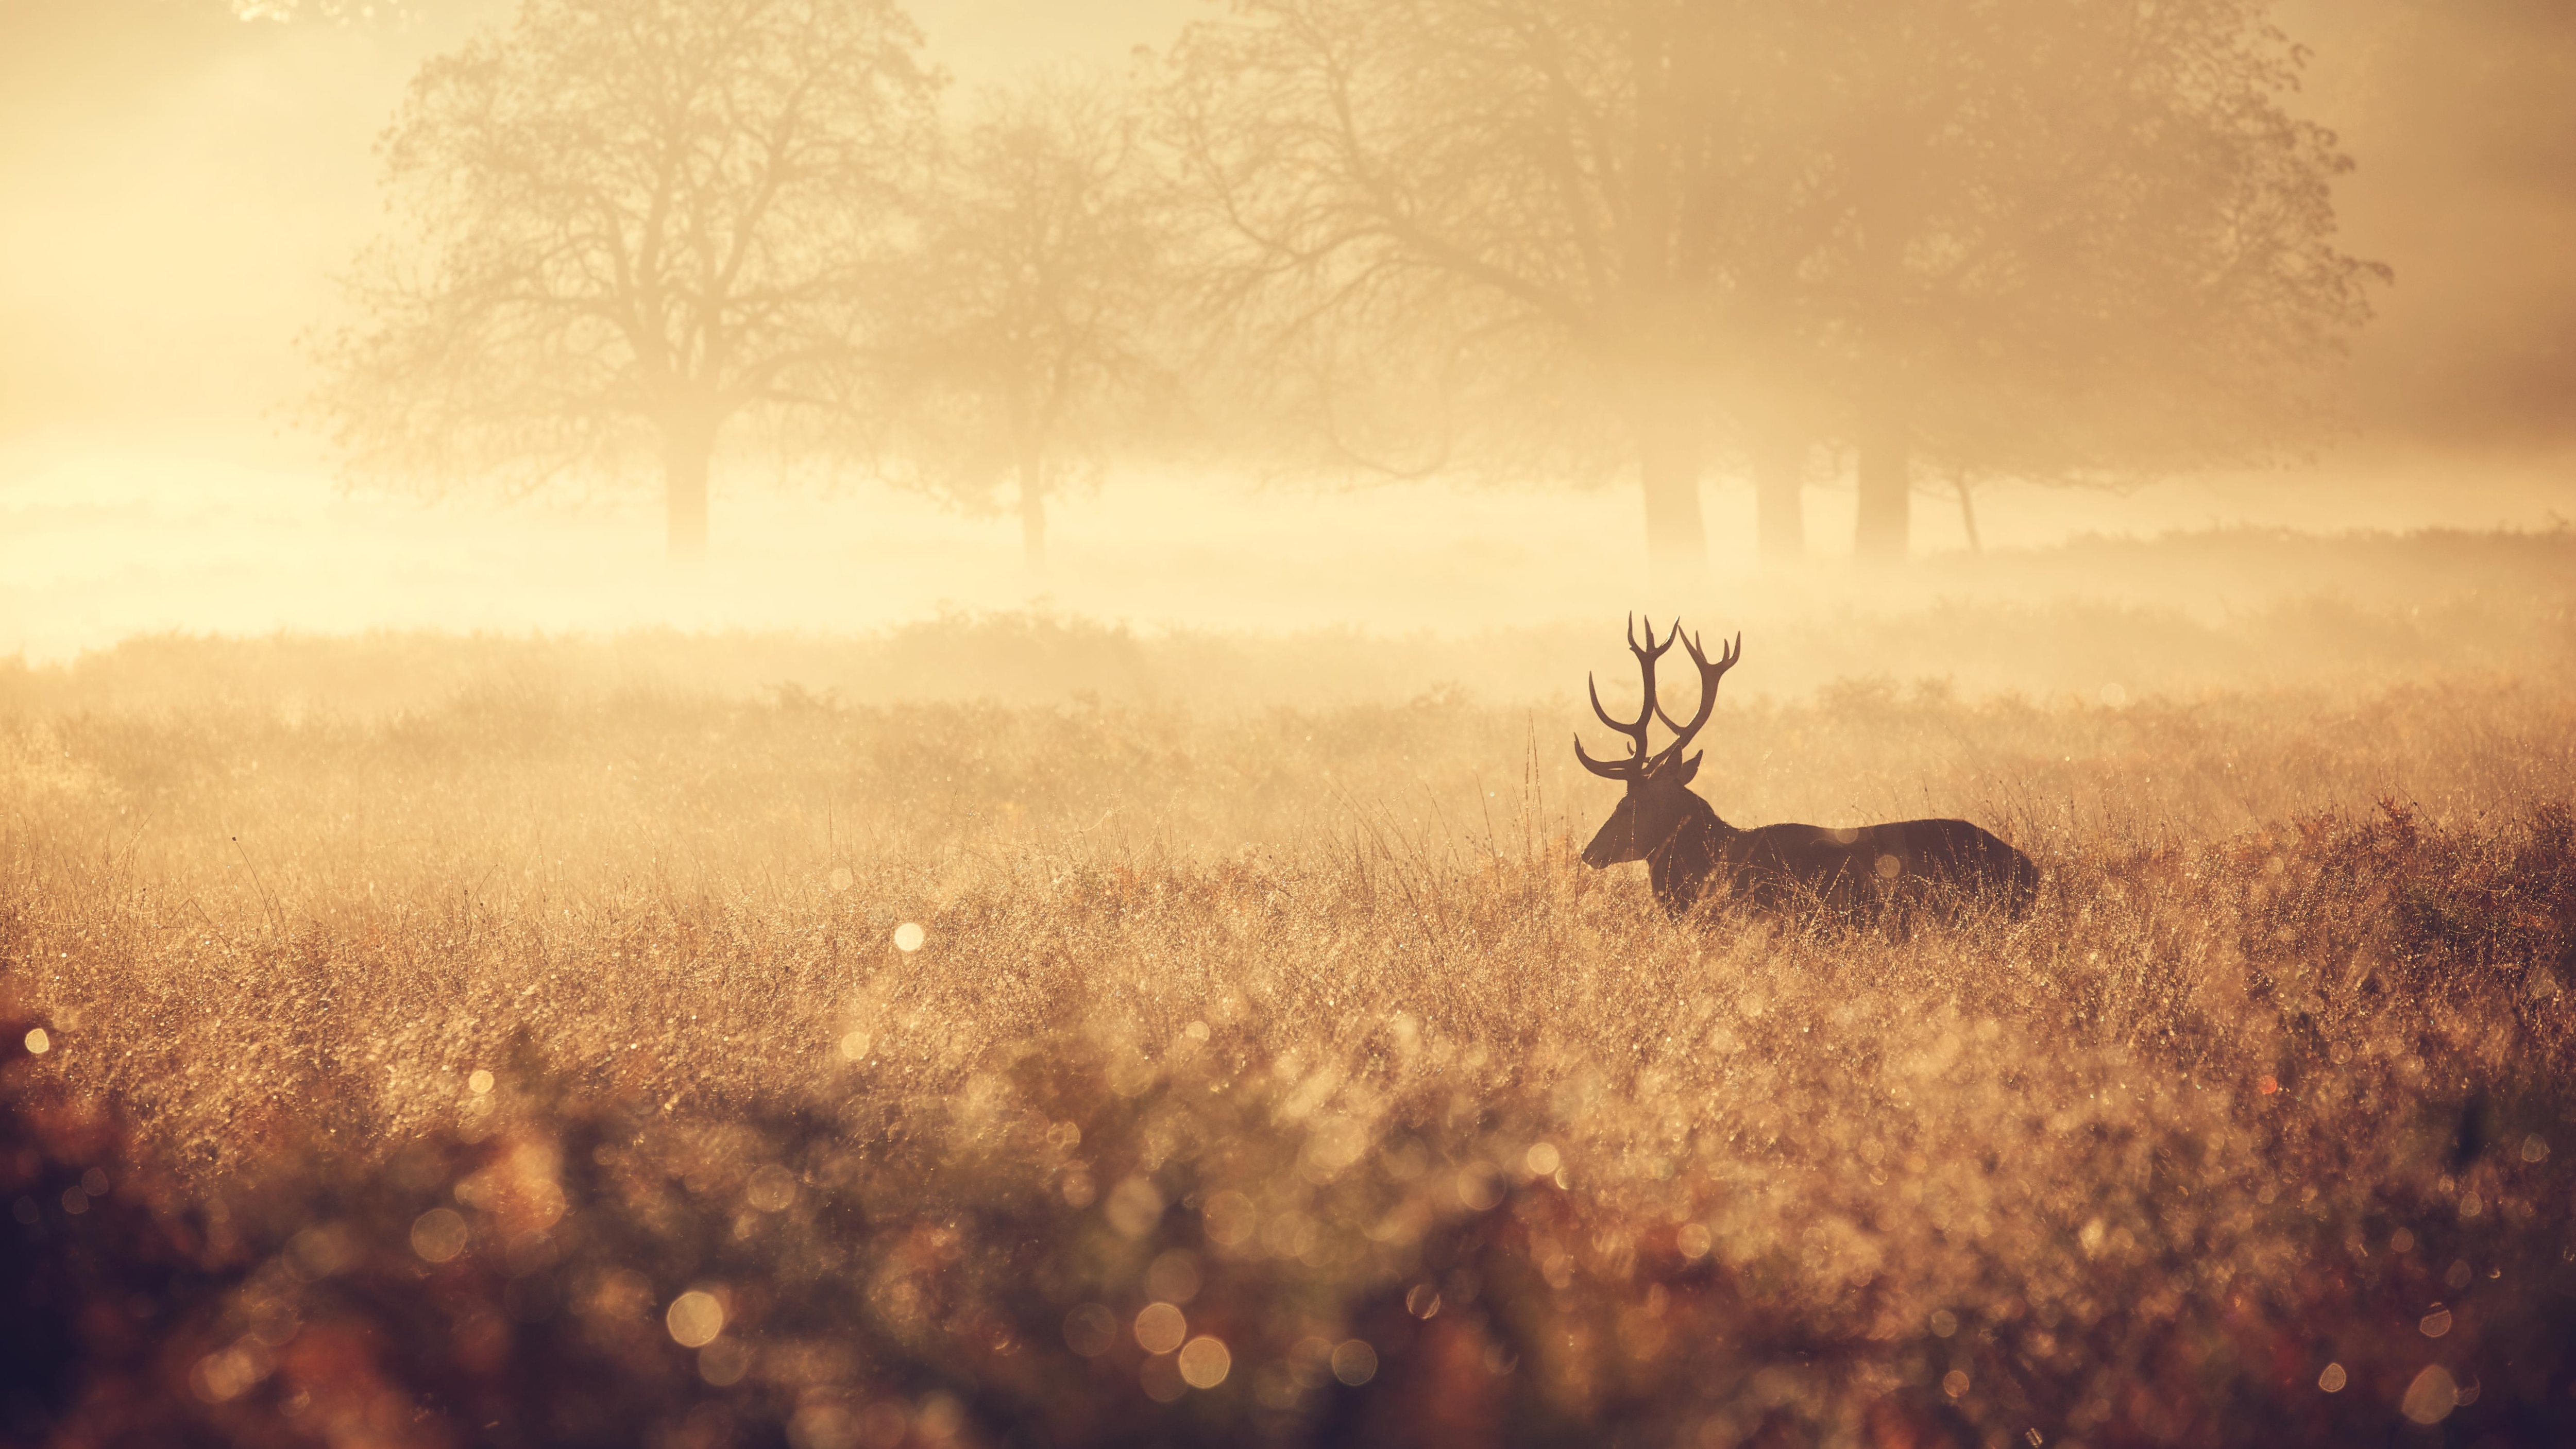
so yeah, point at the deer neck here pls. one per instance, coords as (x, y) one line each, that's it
(1679, 867)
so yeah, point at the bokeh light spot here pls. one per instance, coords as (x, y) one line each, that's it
(909, 936)
(1542, 1159)
(1174, 1277)
(1204, 1363)
(1477, 1190)
(695, 1318)
(439, 1235)
(724, 1363)
(772, 1188)
(38, 1042)
(2432, 1396)
(2333, 1379)
(1354, 1362)
(317, 1253)
(1134, 1207)
(1229, 1218)
(1091, 1330)
(479, 1083)
(1160, 1328)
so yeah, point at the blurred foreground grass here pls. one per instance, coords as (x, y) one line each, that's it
(540, 1063)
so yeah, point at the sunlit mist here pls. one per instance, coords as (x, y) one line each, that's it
(878, 723)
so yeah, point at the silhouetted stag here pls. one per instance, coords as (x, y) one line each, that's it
(1943, 865)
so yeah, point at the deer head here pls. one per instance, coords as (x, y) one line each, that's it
(1657, 801)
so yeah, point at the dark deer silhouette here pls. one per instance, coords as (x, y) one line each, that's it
(1857, 874)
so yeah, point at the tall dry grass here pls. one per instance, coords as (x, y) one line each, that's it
(1306, 1021)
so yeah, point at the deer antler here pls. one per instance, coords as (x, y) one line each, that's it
(1709, 675)
(1638, 757)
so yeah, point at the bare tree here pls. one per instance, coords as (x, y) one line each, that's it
(1032, 305)
(2068, 240)
(1484, 197)
(2054, 237)
(630, 221)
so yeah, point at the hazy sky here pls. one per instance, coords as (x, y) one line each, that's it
(178, 188)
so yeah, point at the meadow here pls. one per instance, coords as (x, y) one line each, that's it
(433, 1041)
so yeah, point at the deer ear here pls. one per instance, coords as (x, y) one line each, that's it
(1690, 769)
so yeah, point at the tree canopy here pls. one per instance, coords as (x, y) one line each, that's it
(1437, 214)
(1033, 305)
(2039, 236)
(632, 221)
(2054, 239)
(2063, 241)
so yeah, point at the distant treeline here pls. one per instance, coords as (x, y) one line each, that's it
(1939, 242)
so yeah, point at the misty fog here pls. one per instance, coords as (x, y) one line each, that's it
(184, 196)
(957, 723)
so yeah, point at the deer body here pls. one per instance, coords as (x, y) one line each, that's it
(1857, 873)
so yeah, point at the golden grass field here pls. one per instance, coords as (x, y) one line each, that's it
(434, 1018)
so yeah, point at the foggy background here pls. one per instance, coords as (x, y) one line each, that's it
(181, 189)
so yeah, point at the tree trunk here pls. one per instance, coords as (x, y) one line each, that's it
(1968, 514)
(687, 447)
(1033, 522)
(1886, 493)
(1668, 459)
(1780, 494)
